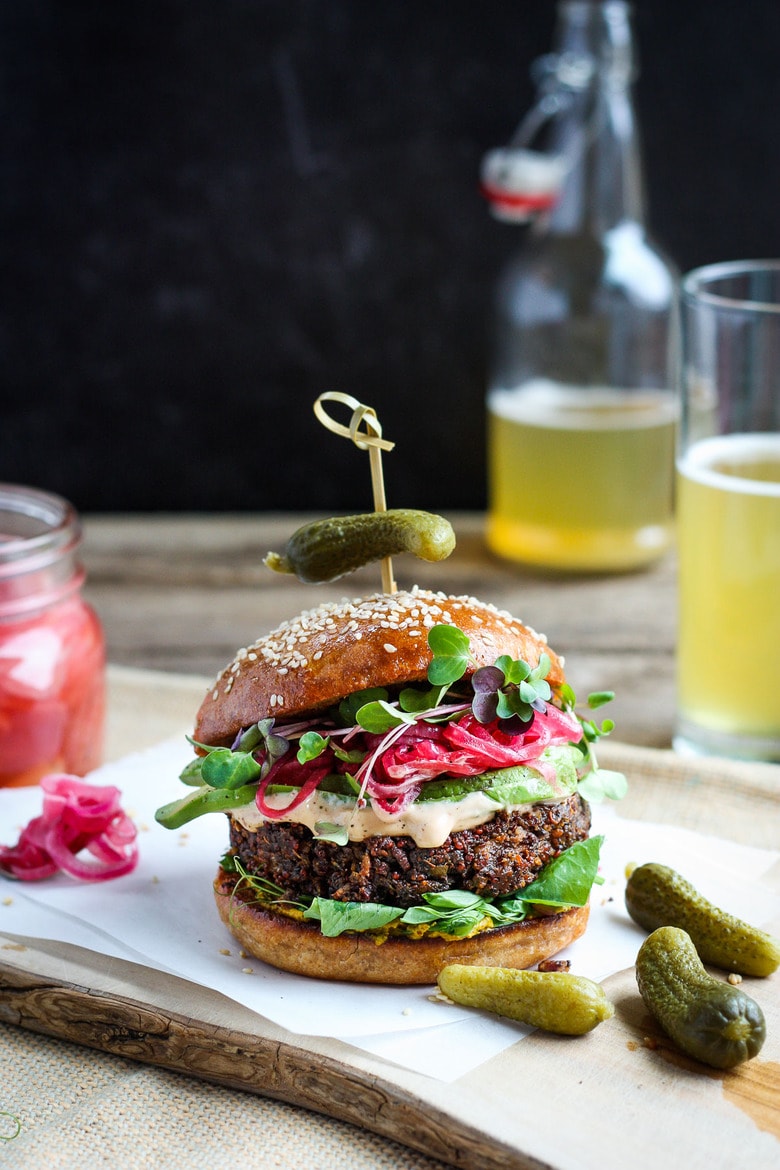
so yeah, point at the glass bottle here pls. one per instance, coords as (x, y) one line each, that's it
(52, 652)
(581, 412)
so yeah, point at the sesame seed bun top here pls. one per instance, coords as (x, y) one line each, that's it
(324, 654)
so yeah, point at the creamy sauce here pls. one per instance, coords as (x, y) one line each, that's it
(428, 823)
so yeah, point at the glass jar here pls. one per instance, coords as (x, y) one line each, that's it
(52, 650)
(581, 410)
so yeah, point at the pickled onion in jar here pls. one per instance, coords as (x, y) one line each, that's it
(52, 654)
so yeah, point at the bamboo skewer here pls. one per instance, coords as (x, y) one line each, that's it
(369, 440)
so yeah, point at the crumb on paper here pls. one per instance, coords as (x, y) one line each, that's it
(407, 1011)
(247, 971)
(155, 880)
(554, 965)
(734, 978)
(8, 901)
(439, 997)
(224, 950)
(13, 947)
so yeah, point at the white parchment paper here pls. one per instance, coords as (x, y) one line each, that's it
(163, 915)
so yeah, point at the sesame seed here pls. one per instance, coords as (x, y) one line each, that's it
(306, 639)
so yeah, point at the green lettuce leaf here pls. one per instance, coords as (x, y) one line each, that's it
(566, 881)
(336, 917)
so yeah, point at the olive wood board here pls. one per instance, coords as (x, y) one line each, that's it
(620, 1096)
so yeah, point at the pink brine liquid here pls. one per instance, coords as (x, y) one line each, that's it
(52, 662)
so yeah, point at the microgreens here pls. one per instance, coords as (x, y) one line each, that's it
(510, 691)
(451, 656)
(223, 767)
(349, 707)
(602, 784)
(268, 891)
(591, 731)
(327, 831)
(310, 745)
(380, 716)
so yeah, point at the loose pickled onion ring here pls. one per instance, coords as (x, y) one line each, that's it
(76, 817)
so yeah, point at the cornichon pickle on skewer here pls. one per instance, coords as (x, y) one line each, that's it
(552, 1000)
(328, 549)
(658, 896)
(706, 1018)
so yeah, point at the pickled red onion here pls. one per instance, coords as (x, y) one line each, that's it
(399, 762)
(77, 817)
(313, 777)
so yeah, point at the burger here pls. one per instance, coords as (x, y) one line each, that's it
(406, 784)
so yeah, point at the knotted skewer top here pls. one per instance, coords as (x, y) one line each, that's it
(370, 439)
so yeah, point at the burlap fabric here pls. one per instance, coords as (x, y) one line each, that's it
(76, 1109)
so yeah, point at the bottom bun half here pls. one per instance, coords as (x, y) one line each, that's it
(300, 947)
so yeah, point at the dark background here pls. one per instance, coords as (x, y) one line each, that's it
(211, 212)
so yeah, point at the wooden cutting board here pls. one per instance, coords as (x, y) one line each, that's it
(616, 1098)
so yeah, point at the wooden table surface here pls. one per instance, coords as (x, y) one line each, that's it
(179, 595)
(182, 593)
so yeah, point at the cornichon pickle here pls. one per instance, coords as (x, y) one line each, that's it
(706, 1018)
(658, 896)
(328, 549)
(553, 1000)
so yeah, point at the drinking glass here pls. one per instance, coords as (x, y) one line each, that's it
(728, 512)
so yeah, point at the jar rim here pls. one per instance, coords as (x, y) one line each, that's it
(36, 528)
